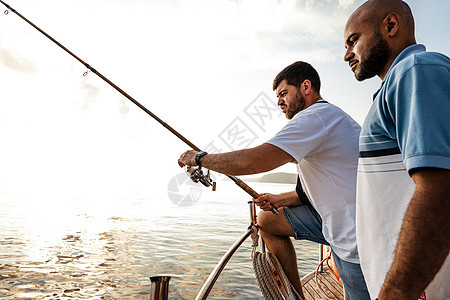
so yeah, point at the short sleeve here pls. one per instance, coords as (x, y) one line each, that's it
(304, 134)
(419, 104)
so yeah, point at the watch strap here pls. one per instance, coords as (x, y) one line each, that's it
(198, 156)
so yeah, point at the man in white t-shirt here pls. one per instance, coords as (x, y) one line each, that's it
(322, 141)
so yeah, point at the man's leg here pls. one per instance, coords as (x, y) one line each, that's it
(276, 232)
(353, 278)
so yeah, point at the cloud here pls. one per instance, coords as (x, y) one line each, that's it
(90, 95)
(124, 108)
(13, 61)
(346, 3)
(270, 32)
(228, 34)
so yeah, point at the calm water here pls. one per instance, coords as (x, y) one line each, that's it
(107, 247)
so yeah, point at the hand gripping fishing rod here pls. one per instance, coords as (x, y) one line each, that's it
(237, 181)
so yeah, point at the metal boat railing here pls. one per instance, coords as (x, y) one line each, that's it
(209, 283)
(160, 284)
(160, 287)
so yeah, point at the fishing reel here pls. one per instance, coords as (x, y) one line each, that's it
(197, 175)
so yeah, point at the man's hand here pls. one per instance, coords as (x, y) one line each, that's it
(187, 158)
(267, 201)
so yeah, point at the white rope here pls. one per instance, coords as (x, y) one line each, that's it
(271, 278)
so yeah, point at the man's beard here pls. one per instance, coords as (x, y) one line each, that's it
(296, 106)
(375, 60)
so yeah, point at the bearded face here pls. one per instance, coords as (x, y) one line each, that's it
(373, 60)
(295, 106)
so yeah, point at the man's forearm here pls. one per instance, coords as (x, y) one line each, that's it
(267, 200)
(423, 243)
(289, 199)
(259, 159)
(231, 163)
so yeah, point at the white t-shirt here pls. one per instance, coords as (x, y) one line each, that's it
(323, 140)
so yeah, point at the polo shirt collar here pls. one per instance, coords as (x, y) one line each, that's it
(416, 48)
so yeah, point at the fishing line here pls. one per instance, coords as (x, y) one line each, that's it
(236, 180)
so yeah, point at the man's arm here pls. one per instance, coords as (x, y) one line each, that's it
(424, 240)
(256, 160)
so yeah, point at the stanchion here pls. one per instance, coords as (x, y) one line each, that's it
(160, 287)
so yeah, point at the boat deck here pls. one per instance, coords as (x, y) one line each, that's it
(330, 286)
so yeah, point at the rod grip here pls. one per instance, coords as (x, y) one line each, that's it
(251, 192)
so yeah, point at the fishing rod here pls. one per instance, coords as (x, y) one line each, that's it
(195, 174)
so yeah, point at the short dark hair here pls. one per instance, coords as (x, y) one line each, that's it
(296, 73)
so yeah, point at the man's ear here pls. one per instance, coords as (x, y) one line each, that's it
(391, 24)
(306, 86)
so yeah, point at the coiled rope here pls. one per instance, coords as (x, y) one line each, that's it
(270, 275)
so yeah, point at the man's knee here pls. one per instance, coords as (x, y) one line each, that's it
(277, 225)
(265, 221)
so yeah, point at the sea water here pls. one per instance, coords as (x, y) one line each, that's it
(107, 246)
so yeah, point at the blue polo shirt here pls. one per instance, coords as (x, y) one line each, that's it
(411, 111)
(407, 127)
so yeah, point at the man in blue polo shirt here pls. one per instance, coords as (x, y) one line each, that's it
(403, 189)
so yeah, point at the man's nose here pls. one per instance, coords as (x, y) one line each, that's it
(348, 54)
(280, 101)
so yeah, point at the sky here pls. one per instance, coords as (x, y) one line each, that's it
(204, 67)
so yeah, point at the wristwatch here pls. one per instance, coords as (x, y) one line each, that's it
(198, 156)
